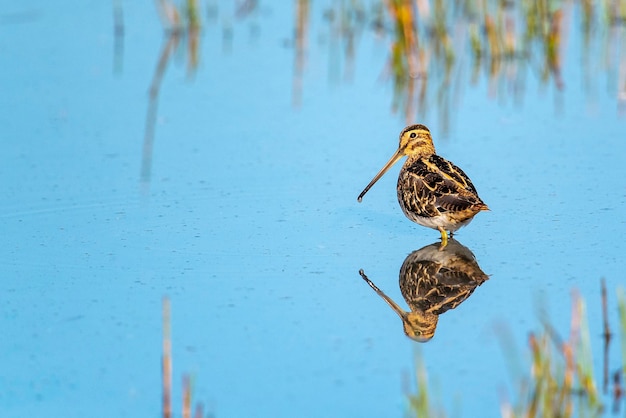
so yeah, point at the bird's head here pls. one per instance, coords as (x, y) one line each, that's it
(416, 140)
(420, 326)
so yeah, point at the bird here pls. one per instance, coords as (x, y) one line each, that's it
(433, 281)
(432, 191)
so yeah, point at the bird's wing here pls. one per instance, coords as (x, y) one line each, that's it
(447, 185)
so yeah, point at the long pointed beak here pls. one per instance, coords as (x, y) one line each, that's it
(401, 313)
(399, 154)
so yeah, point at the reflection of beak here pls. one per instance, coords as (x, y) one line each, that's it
(390, 302)
(418, 326)
(399, 154)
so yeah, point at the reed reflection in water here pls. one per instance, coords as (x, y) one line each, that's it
(433, 280)
(437, 48)
(178, 26)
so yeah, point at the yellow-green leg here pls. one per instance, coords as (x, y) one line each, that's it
(444, 237)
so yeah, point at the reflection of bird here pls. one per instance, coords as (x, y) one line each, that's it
(432, 281)
(431, 190)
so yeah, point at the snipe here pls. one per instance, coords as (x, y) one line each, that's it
(432, 191)
(432, 281)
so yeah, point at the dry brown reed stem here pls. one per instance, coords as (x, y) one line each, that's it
(492, 37)
(607, 338)
(537, 373)
(441, 38)
(565, 400)
(410, 108)
(118, 18)
(410, 53)
(118, 35)
(621, 82)
(177, 28)
(155, 86)
(553, 44)
(193, 15)
(565, 395)
(618, 391)
(186, 397)
(510, 47)
(302, 26)
(245, 8)
(411, 42)
(407, 26)
(167, 360)
(193, 46)
(199, 411)
(166, 375)
(170, 16)
(618, 388)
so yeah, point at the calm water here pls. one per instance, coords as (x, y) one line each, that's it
(241, 207)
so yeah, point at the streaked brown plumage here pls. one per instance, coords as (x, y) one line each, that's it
(432, 191)
(433, 280)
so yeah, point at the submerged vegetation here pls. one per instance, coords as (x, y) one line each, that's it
(561, 380)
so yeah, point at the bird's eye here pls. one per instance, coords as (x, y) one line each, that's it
(413, 135)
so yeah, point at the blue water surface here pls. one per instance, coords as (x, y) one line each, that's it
(242, 210)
